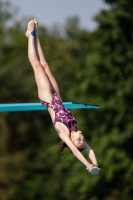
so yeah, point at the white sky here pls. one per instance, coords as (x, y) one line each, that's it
(49, 12)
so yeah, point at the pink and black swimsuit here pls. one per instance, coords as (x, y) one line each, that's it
(61, 113)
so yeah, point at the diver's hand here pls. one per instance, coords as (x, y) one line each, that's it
(94, 169)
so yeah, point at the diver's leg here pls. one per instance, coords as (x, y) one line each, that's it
(43, 60)
(42, 80)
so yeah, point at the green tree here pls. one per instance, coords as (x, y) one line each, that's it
(89, 67)
(110, 83)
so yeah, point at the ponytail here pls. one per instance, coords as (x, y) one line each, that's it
(62, 145)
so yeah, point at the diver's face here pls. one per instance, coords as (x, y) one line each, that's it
(78, 139)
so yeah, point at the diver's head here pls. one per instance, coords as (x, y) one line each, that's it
(78, 139)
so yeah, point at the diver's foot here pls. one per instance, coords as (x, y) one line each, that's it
(30, 29)
(36, 24)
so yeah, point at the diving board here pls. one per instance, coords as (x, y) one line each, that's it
(38, 106)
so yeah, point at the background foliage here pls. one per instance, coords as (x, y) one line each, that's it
(91, 67)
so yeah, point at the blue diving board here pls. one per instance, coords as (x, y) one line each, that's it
(38, 106)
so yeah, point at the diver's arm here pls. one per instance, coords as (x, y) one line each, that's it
(91, 154)
(75, 151)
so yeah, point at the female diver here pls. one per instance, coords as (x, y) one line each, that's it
(65, 124)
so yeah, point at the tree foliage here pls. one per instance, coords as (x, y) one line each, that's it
(92, 68)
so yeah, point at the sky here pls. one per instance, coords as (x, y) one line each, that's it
(50, 12)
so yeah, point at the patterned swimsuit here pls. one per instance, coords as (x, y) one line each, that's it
(61, 113)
